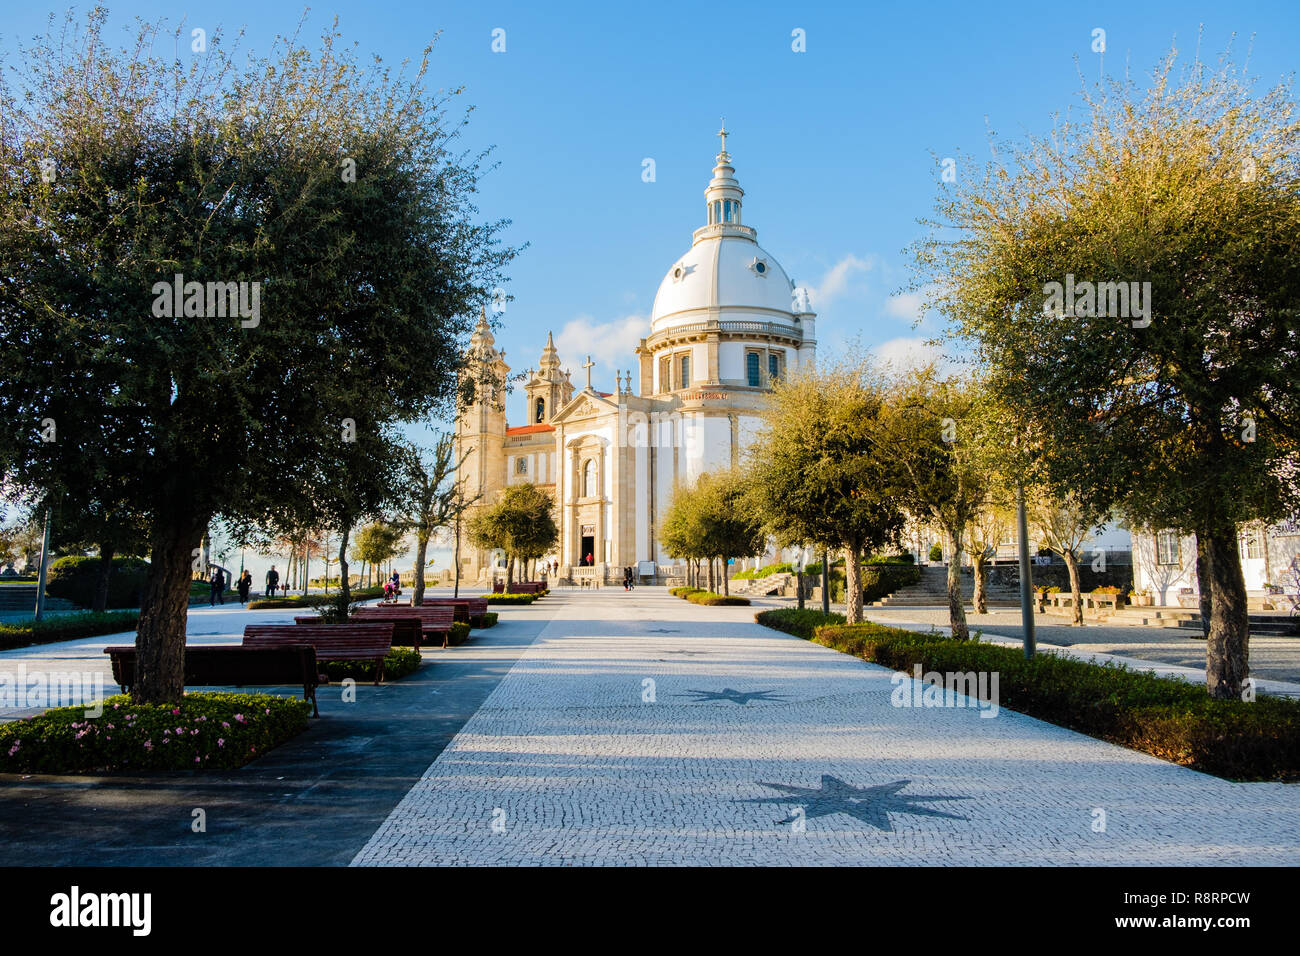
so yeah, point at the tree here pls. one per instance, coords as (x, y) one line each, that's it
(431, 499)
(941, 439)
(1064, 524)
(713, 520)
(329, 259)
(521, 523)
(817, 472)
(1130, 280)
(988, 529)
(377, 542)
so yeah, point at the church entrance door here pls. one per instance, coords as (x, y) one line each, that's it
(588, 548)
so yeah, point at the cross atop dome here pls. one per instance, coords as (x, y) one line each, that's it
(722, 134)
(724, 193)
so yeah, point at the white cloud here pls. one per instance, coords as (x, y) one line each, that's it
(836, 280)
(905, 305)
(610, 345)
(905, 353)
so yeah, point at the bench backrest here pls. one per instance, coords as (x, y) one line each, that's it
(333, 642)
(230, 665)
(428, 616)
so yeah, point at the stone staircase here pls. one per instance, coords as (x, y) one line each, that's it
(21, 598)
(932, 590)
(761, 587)
(1261, 625)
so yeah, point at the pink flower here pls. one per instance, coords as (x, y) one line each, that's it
(148, 745)
(14, 749)
(221, 741)
(196, 759)
(166, 732)
(225, 724)
(176, 710)
(240, 718)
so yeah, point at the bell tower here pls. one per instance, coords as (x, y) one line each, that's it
(548, 388)
(481, 431)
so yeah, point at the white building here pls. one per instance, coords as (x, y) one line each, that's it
(726, 321)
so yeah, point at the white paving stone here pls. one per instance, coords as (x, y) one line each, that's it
(566, 764)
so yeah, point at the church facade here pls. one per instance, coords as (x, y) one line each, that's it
(727, 321)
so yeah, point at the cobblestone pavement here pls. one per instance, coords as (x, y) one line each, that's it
(1271, 657)
(639, 729)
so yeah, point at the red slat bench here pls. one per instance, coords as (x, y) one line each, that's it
(406, 630)
(333, 642)
(233, 665)
(433, 623)
(468, 610)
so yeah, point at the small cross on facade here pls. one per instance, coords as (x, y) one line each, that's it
(589, 365)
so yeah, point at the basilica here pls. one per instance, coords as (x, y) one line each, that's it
(726, 322)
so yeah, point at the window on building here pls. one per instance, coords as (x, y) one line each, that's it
(752, 369)
(589, 479)
(1252, 545)
(685, 367)
(773, 366)
(665, 369)
(1168, 549)
(539, 415)
(521, 465)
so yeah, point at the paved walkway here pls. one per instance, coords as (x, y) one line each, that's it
(640, 729)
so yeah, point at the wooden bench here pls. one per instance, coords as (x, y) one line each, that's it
(433, 623)
(333, 642)
(527, 587)
(233, 665)
(468, 610)
(406, 630)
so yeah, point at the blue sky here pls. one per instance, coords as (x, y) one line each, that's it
(834, 146)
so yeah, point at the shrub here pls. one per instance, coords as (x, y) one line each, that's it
(936, 553)
(881, 580)
(1171, 719)
(681, 592)
(203, 731)
(399, 662)
(458, 634)
(357, 595)
(73, 578)
(66, 627)
(794, 621)
(709, 599)
(905, 558)
(511, 598)
(489, 619)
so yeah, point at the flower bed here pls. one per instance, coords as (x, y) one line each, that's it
(1167, 718)
(203, 731)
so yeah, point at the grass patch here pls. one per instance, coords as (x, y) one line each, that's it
(400, 662)
(681, 592)
(1171, 719)
(794, 621)
(66, 627)
(204, 731)
(710, 599)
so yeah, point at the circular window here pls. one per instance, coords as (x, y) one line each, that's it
(760, 267)
(677, 273)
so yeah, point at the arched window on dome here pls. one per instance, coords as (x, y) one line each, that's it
(717, 211)
(752, 369)
(540, 415)
(589, 479)
(686, 371)
(773, 366)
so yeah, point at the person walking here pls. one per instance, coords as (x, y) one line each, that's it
(244, 585)
(216, 588)
(627, 579)
(272, 581)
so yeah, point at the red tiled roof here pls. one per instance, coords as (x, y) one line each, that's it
(528, 430)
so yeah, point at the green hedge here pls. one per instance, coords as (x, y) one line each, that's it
(489, 619)
(511, 598)
(204, 731)
(400, 662)
(710, 599)
(683, 591)
(66, 627)
(794, 621)
(1171, 719)
(313, 600)
(881, 580)
(73, 578)
(458, 634)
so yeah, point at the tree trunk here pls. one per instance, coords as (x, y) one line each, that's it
(164, 605)
(956, 608)
(345, 586)
(1203, 585)
(852, 586)
(726, 578)
(712, 586)
(421, 549)
(980, 572)
(1227, 652)
(105, 571)
(1072, 565)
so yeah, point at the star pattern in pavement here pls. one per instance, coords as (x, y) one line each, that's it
(735, 696)
(871, 805)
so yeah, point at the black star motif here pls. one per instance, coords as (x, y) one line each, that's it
(871, 805)
(735, 696)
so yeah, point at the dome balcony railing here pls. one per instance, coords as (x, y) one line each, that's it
(733, 326)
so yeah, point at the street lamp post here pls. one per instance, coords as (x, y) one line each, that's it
(826, 581)
(1026, 579)
(45, 567)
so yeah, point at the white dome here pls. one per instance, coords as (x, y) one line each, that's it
(725, 274)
